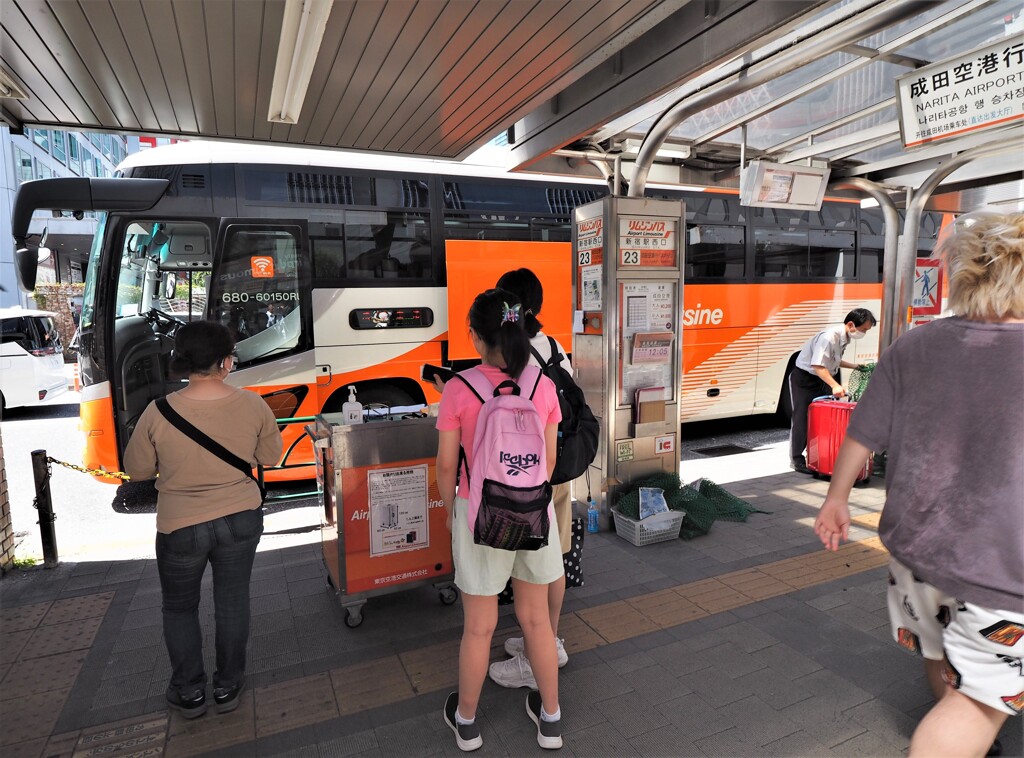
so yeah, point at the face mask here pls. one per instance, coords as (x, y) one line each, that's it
(855, 335)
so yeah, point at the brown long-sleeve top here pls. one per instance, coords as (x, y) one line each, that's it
(195, 485)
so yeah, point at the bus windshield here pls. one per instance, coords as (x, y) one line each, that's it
(152, 275)
(92, 273)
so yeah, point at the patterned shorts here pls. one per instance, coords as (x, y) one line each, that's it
(983, 648)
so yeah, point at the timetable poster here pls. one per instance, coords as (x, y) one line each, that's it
(646, 319)
(589, 259)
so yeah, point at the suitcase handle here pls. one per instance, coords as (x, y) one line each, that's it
(843, 399)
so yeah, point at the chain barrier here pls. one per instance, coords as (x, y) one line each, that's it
(91, 471)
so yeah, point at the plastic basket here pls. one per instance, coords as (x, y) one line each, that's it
(657, 528)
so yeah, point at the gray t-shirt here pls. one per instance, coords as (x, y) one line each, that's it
(947, 401)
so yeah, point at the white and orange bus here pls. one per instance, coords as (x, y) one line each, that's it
(337, 269)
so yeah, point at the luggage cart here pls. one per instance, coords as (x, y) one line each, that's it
(382, 521)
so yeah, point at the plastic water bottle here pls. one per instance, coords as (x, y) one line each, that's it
(592, 514)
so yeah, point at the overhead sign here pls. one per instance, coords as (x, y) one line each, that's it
(927, 299)
(981, 90)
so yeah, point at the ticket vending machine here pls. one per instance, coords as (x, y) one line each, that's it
(628, 290)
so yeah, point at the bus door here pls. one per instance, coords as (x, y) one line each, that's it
(260, 289)
(161, 271)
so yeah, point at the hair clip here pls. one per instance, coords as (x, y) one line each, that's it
(509, 315)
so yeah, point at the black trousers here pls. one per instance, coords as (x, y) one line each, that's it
(803, 388)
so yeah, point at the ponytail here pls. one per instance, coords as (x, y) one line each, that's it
(496, 317)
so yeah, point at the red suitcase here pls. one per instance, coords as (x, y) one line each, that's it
(827, 419)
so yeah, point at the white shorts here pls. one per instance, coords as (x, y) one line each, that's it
(983, 648)
(483, 570)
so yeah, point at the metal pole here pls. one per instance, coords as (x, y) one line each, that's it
(41, 474)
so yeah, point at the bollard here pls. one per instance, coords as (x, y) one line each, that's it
(43, 503)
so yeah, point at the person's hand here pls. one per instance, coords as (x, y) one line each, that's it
(839, 391)
(448, 518)
(439, 383)
(833, 523)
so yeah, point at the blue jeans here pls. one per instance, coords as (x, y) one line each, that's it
(229, 544)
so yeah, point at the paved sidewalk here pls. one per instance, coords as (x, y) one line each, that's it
(750, 641)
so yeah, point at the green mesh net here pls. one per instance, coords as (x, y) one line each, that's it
(702, 504)
(859, 380)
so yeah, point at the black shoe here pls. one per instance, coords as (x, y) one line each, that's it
(226, 698)
(190, 706)
(467, 736)
(549, 733)
(799, 466)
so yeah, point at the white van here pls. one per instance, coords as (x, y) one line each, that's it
(31, 358)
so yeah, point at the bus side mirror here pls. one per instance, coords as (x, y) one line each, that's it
(26, 262)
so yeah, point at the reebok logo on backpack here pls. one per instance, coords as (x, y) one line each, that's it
(509, 492)
(579, 430)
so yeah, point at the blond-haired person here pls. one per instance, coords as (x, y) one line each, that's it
(947, 402)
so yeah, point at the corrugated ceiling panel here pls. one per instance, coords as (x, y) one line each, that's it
(423, 97)
(124, 92)
(137, 31)
(400, 95)
(220, 60)
(37, 67)
(102, 80)
(573, 34)
(411, 30)
(248, 35)
(197, 51)
(160, 17)
(515, 39)
(270, 33)
(342, 45)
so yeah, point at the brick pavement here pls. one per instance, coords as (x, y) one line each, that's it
(750, 641)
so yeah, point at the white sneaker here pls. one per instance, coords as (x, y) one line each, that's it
(517, 646)
(513, 672)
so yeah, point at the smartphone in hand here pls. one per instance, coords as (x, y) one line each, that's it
(429, 371)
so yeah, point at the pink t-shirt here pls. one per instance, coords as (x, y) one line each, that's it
(460, 407)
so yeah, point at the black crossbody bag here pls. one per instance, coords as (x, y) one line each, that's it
(210, 444)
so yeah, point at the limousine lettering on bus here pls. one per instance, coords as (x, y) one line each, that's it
(698, 315)
(363, 514)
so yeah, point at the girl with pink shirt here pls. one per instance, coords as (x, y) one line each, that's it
(481, 572)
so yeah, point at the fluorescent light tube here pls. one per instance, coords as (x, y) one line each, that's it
(302, 31)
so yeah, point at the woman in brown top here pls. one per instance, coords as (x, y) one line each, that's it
(207, 512)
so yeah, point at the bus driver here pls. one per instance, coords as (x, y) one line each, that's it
(817, 373)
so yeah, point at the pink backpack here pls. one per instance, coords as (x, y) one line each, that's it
(509, 492)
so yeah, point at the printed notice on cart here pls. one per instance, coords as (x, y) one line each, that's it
(647, 242)
(398, 509)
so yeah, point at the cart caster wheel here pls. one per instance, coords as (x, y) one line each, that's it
(448, 595)
(353, 619)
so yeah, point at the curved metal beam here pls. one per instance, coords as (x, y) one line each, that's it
(800, 54)
(891, 216)
(908, 245)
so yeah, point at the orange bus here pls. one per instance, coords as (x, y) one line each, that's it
(337, 269)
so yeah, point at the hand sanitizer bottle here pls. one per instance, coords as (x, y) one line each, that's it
(353, 409)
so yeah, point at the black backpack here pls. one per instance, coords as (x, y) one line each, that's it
(578, 431)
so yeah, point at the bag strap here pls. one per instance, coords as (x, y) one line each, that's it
(556, 354)
(204, 440)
